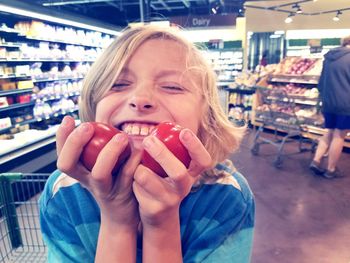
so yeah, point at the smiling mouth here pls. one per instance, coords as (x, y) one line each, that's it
(137, 129)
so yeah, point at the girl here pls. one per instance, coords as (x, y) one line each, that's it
(201, 214)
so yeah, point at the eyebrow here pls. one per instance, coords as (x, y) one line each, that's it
(163, 73)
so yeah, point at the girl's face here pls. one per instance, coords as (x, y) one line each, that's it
(153, 87)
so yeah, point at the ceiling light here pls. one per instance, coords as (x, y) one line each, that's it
(336, 18)
(215, 7)
(289, 19)
(298, 8)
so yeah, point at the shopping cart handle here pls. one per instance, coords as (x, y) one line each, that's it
(12, 176)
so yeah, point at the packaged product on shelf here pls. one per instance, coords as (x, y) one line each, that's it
(5, 123)
(22, 70)
(3, 102)
(42, 109)
(23, 98)
(25, 84)
(8, 85)
(2, 52)
(44, 51)
(35, 70)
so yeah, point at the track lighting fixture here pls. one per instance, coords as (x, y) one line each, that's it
(336, 18)
(297, 8)
(215, 7)
(289, 19)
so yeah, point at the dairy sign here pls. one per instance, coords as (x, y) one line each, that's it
(204, 21)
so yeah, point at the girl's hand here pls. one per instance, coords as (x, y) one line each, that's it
(160, 198)
(113, 193)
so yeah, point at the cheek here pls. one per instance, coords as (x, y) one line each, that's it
(189, 115)
(104, 110)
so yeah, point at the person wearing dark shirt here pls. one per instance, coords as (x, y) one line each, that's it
(334, 87)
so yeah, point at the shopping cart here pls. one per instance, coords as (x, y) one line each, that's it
(277, 113)
(20, 236)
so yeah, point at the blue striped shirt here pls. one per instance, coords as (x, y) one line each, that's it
(217, 221)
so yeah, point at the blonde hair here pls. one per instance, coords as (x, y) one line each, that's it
(216, 132)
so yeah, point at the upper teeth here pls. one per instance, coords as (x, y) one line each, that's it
(137, 128)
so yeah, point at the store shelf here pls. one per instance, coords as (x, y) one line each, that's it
(13, 76)
(241, 90)
(9, 30)
(14, 92)
(17, 45)
(15, 60)
(298, 91)
(17, 106)
(58, 96)
(227, 63)
(298, 79)
(25, 142)
(64, 42)
(55, 79)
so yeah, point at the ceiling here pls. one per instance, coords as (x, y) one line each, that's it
(122, 12)
(308, 7)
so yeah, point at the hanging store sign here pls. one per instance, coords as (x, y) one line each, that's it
(315, 46)
(204, 21)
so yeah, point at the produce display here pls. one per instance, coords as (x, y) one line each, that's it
(297, 66)
(293, 99)
(297, 90)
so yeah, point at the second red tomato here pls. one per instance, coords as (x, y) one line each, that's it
(168, 133)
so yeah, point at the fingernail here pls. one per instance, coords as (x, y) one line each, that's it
(120, 137)
(148, 142)
(84, 127)
(64, 121)
(187, 135)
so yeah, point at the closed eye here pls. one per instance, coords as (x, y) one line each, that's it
(173, 88)
(120, 86)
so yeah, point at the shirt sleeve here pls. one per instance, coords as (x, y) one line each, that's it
(66, 239)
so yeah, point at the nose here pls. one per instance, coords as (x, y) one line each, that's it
(142, 100)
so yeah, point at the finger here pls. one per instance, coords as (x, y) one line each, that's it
(108, 156)
(65, 128)
(161, 154)
(148, 184)
(130, 167)
(73, 146)
(200, 158)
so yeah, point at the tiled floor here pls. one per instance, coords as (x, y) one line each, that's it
(300, 217)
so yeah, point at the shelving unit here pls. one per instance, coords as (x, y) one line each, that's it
(302, 89)
(227, 63)
(42, 65)
(240, 102)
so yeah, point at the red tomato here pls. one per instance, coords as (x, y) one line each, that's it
(168, 133)
(103, 133)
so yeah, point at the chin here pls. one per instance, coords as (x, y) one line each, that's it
(136, 143)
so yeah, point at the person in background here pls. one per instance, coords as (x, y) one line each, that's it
(263, 60)
(334, 87)
(204, 213)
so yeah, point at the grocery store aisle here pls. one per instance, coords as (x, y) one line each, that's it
(300, 218)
